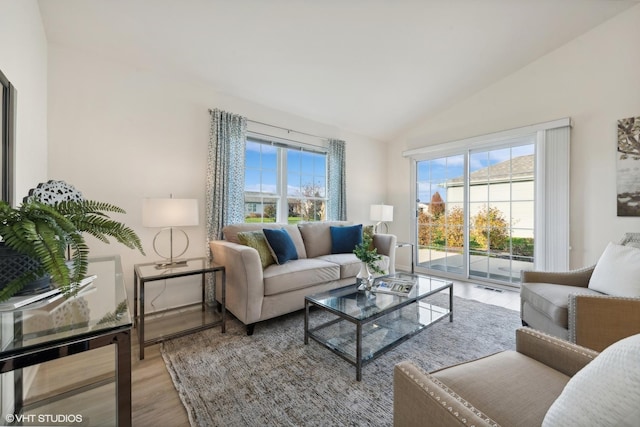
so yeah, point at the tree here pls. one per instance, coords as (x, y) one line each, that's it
(310, 205)
(428, 231)
(436, 207)
(269, 211)
(452, 226)
(490, 230)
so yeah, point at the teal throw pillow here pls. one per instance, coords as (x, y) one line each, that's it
(257, 241)
(281, 245)
(345, 239)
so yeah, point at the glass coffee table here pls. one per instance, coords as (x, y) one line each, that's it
(359, 326)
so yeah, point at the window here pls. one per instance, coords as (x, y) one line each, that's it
(490, 206)
(284, 183)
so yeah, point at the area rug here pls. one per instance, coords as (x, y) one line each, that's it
(273, 379)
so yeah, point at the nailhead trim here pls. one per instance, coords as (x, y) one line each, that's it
(559, 343)
(451, 394)
(572, 309)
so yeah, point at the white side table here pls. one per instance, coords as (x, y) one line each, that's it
(413, 254)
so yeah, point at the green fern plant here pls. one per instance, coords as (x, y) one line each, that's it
(45, 232)
(370, 256)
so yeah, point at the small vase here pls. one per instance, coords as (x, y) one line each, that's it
(364, 277)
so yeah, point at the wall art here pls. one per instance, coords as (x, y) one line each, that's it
(628, 166)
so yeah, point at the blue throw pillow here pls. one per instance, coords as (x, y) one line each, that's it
(345, 239)
(281, 245)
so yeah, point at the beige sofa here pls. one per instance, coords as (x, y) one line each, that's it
(254, 294)
(546, 381)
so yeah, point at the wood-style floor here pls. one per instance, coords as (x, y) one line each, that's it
(155, 401)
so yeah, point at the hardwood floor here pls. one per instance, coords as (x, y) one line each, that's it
(155, 401)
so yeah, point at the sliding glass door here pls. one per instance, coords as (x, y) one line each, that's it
(475, 212)
(440, 215)
(501, 212)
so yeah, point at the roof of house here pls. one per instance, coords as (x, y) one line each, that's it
(517, 169)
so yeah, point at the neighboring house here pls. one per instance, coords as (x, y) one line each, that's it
(508, 185)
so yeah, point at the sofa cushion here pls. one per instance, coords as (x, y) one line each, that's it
(532, 387)
(617, 272)
(345, 239)
(257, 241)
(350, 265)
(230, 233)
(281, 245)
(606, 392)
(552, 300)
(317, 237)
(298, 274)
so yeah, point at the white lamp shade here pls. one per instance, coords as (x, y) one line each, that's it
(382, 213)
(170, 212)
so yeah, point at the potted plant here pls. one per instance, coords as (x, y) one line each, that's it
(369, 256)
(45, 232)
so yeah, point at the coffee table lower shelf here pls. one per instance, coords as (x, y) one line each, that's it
(362, 341)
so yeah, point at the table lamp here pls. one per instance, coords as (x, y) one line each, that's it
(168, 214)
(382, 214)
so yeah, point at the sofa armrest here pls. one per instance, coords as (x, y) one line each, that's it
(386, 245)
(554, 352)
(420, 399)
(245, 280)
(597, 321)
(570, 278)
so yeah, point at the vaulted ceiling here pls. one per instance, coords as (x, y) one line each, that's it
(372, 67)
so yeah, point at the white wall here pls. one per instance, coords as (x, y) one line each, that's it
(120, 134)
(23, 59)
(594, 80)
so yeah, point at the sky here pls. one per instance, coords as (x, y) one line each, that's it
(304, 168)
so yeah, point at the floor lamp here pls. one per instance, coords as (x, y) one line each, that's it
(169, 214)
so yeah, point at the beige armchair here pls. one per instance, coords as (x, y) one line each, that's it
(546, 381)
(510, 388)
(561, 304)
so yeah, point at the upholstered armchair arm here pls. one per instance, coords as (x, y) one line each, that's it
(554, 352)
(386, 245)
(420, 399)
(571, 278)
(597, 321)
(245, 284)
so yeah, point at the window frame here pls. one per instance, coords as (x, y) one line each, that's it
(281, 196)
(552, 171)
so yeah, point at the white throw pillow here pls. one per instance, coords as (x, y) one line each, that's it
(617, 272)
(606, 392)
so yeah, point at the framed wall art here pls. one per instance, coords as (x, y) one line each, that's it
(628, 166)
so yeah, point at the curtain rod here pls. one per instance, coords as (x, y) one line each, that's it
(280, 127)
(288, 130)
(302, 145)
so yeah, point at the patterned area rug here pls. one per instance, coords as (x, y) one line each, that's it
(273, 379)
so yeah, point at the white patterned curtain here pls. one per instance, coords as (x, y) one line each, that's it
(337, 203)
(224, 197)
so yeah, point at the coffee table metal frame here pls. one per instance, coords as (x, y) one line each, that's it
(399, 302)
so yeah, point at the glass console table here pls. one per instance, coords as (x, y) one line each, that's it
(34, 336)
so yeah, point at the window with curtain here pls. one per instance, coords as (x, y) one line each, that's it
(284, 182)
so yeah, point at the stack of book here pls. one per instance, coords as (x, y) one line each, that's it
(394, 285)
